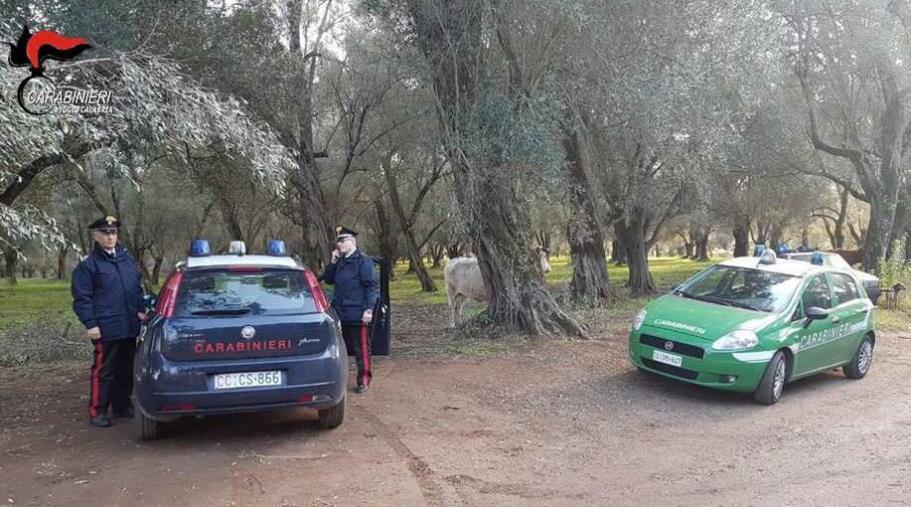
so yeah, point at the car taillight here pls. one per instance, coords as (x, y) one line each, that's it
(165, 304)
(317, 291)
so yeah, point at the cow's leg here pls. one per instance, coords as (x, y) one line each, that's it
(458, 305)
(454, 305)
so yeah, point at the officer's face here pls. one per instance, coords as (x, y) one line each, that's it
(106, 237)
(345, 245)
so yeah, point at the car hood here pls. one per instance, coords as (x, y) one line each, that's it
(701, 318)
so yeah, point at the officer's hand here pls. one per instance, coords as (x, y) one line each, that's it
(141, 315)
(335, 256)
(94, 333)
(368, 317)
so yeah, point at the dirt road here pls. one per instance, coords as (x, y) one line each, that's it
(548, 423)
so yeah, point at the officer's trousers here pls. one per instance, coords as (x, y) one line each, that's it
(357, 340)
(112, 376)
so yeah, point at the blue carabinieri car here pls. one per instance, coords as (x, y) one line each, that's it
(239, 333)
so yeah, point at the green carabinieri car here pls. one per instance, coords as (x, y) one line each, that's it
(752, 324)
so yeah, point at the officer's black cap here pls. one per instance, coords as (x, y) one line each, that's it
(105, 222)
(343, 232)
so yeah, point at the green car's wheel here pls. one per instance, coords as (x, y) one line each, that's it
(862, 360)
(772, 383)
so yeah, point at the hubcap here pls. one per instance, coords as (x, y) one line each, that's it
(865, 357)
(778, 383)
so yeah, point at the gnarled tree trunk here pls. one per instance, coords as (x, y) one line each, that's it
(385, 236)
(449, 33)
(631, 233)
(61, 263)
(617, 252)
(701, 243)
(741, 236)
(10, 263)
(590, 281)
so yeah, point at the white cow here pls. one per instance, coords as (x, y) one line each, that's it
(464, 281)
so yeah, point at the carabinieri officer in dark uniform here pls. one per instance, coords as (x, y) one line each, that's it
(354, 298)
(107, 298)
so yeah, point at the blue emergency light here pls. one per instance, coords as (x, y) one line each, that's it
(782, 248)
(276, 248)
(816, 258)
(758, 250)
(199, 248)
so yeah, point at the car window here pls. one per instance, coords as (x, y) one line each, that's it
(263, 292)
(844, 287)
(817, 293)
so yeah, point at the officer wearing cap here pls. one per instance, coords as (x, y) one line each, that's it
(354, 298)
(108, 299)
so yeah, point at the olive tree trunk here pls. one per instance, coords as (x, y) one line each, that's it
(631, 234)
(741, 236)
(450, 35)
(590, 280)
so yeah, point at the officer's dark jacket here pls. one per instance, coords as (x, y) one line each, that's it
(355, 286)
(107, 293)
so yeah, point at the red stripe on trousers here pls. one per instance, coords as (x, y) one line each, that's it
(96, 379)
(365, 378)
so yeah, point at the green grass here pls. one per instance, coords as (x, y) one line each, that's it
(34, 300)
(666, 271)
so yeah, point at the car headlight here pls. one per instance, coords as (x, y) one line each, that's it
(740, 339)
(638, 320)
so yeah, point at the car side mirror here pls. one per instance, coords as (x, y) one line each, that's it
(817, 313)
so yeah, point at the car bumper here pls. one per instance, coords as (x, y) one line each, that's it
(167, 389)
(728, 371)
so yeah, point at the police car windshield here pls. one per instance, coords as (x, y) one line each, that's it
(228, 293)
(752, 289)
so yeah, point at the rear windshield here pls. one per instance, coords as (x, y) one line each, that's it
(225, 293)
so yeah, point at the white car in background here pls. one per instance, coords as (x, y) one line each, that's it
(831, 259)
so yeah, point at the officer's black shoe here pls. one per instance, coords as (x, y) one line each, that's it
(360, 389)
(100, 421)
(127, 413)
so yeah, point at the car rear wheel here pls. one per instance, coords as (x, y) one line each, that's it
(862, 360)
(149, 429)
(772, 383)
(333, 416)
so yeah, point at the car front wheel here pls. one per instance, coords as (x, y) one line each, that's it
(862, 360)
(333, 416)
(772, 383)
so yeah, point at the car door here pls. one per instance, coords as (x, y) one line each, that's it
(850, 315)
(816, 349)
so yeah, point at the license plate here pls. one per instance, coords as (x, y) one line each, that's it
(247, 379)
(663, 357)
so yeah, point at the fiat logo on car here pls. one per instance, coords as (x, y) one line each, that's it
(248, 332)
(668, 345)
